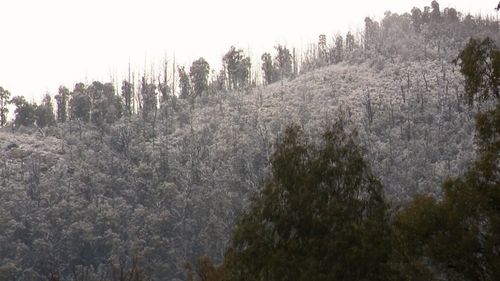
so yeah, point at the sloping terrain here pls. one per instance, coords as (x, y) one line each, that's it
(169, 190)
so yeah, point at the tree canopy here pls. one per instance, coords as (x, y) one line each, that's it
(321, 216)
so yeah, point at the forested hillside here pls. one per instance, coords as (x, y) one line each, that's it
(146, 178)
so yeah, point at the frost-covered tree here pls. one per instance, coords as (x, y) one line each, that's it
(460, 233)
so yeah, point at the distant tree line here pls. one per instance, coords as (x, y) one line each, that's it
(421, 33)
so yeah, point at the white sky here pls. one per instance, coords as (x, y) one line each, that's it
(44, 44)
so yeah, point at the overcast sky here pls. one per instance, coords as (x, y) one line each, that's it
(44, 44)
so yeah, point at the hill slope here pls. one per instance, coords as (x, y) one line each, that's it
(168, 190)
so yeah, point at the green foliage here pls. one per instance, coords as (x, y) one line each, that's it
(479, 62)
(24, 113)
(321, 216)
(460, 235)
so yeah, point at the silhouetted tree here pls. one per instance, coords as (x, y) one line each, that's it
(127, 95)
(44, 113)
(184, 83)
(349, 42)
(79, 104)
(339, 48)
(237, 67)
(268, 68)
(479, 62)
(24, 113)
(416, 18)
(435, 13)
(62, 104)
(149, 98)
(106, 106)
(283, 61)
(199, 76)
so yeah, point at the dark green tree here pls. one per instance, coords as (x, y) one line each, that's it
(80, 103)
(4, 110)
(479, 62)
(62, 104)
(106, 106)
(268, 68)
(44, 113)
(321, 216)
(24, 113)
(199, 76)
(458, 237)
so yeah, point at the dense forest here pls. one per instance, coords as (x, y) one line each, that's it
(375, 156)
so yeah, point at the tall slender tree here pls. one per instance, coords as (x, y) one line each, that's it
(62, 104)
